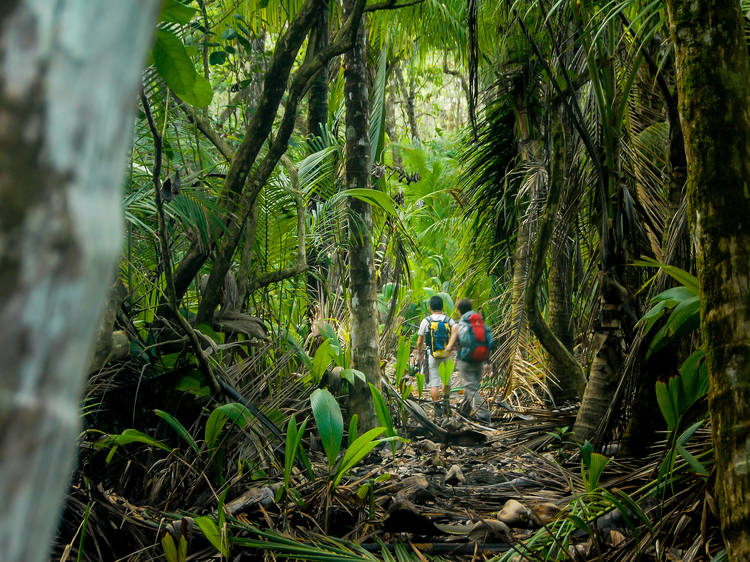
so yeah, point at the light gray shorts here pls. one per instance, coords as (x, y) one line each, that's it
(433, 364)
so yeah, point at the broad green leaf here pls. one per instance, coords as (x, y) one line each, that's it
(373, 197)
(666, 405)
(357, 451)
(330, 422)
(179, 428)
(233, 411)
(684, 318)
(211, 531)
(674, 295)
(445, 369)
(194, 386)
(174, 65)
(217, 57)
(173, 11)
(321, 361)
(402, 358)
(350, 374)
(352, 433)
(381, 410)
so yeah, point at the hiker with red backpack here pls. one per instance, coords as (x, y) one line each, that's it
(435, 331)
(473, 341)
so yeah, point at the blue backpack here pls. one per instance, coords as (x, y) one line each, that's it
(474, 338)
(438, 334)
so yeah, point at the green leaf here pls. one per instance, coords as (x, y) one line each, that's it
(679, 275)
(664, 398)
(349, 374)
(381, 410)
(445, 369)
(694, 464)
(352, 433)
(174, 65)
(321, 361)
(357, 451)
(211, 531)
(684, 318)
(173, 11)
(134, 436)
(170, 550)
(371, 196)
(179, 428)
(233, 411)
(598, 462)
(194, 386)
(402, 358)
(217, 57)
(329, 421)
(674, 295)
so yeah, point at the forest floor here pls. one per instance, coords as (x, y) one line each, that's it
(514, 489)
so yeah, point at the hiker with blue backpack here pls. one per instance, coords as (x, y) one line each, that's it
(434, 333)
(473, 341)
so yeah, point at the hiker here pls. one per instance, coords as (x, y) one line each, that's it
(434, 332)
(473, 341)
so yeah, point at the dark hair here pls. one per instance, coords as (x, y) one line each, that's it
(463, 306)
(436, 303)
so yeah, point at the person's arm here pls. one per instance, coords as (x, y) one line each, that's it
(420, 346)
(454, 338)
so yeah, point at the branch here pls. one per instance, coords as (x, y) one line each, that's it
(301, 265)
(204, 126)
(391, 5)
(156, 178)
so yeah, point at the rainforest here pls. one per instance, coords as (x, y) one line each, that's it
(383, 280)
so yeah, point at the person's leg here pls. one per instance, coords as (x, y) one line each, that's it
(472, 404)
(434, 383)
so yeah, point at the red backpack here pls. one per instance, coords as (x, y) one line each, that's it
(474, 338)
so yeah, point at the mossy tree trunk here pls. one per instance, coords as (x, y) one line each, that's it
(69, 76)
(568, 368)
(363, 317)
(713, 87)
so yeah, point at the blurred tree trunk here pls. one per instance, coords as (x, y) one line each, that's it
(560, 304)
(69, 74)
(713, 88)
(363, 306)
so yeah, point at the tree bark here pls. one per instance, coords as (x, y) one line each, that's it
(569, 367)
(363, 317)
(560, 304)
(713, 88)
(318, 104)
(69, 74)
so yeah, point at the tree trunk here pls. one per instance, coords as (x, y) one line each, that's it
(69, 74)
(318, 105)
(569, 368)
(713, 88)
(363, 307)
(409, 94)
(560, 304)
